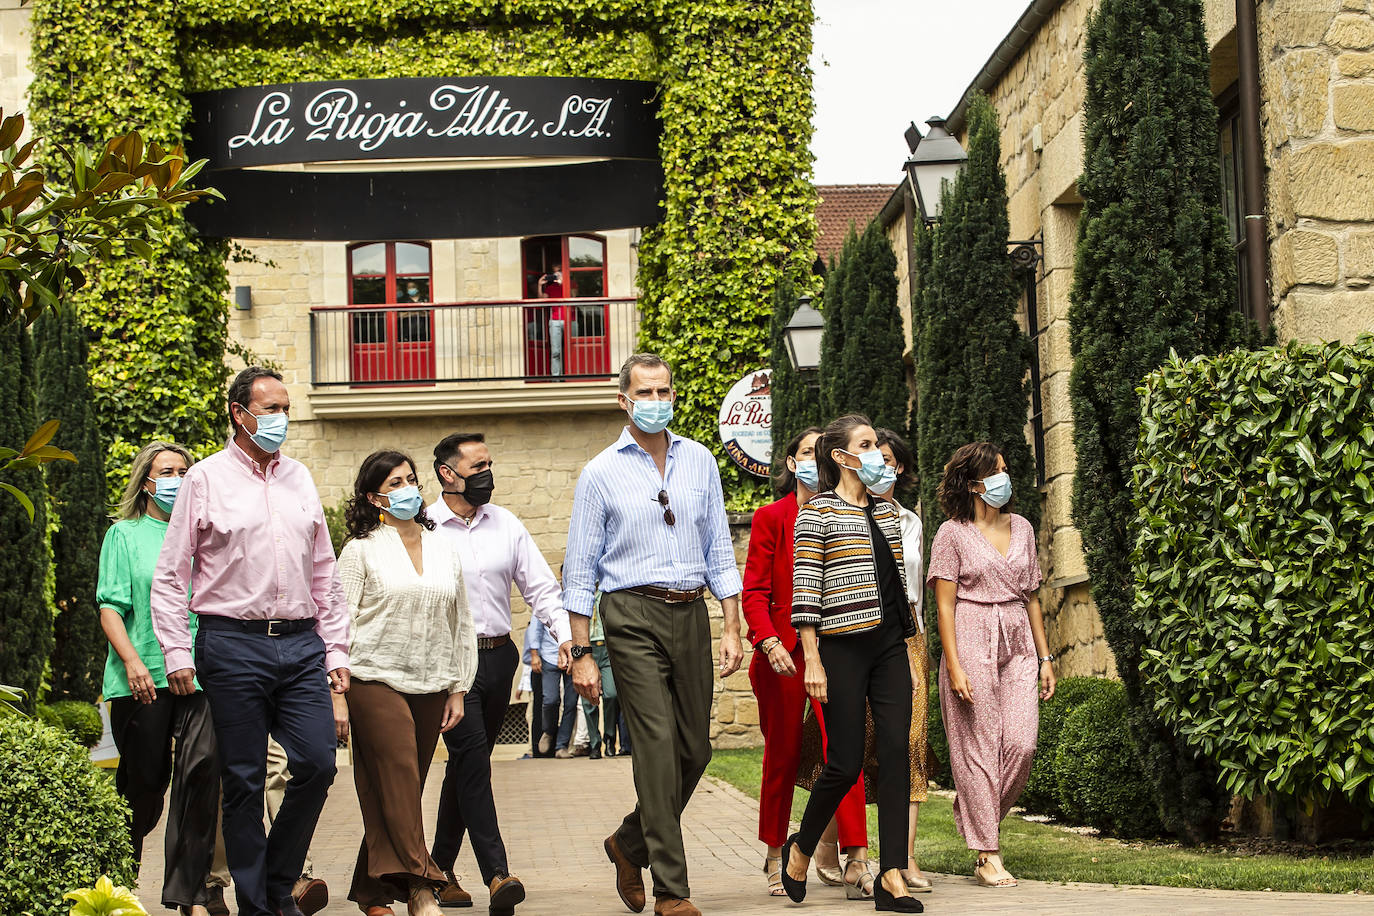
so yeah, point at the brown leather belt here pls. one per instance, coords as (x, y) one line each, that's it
(492, 642)
(668, 595)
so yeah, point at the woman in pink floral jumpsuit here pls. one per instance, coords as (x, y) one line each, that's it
(985, 573)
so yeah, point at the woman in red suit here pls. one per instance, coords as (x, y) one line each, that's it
(776, 675)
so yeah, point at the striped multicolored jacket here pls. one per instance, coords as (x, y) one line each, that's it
(834, 576)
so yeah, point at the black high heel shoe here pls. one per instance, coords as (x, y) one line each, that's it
(795, 889)
(884, 902)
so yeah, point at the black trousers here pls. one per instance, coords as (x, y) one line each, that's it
(868, 666)
(536, 711)
(260, 685)
(146, 735)
(466, 803)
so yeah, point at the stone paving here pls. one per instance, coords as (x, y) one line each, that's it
(555, 813)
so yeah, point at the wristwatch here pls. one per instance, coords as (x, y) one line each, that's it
(579, 651)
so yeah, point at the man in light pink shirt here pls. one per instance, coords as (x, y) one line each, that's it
(248, 542)
(495, 550)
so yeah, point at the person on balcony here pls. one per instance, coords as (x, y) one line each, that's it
(146, 717)
(495, 550)
(551, 287)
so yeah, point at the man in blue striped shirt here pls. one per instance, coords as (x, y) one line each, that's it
(649, 529)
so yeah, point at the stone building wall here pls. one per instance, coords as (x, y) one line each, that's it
(1317, 81)
(15, 75)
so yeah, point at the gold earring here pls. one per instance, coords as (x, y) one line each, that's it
(381, 517)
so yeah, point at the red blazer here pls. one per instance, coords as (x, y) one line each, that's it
(768, 573)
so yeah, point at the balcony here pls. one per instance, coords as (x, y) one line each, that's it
(516, 356)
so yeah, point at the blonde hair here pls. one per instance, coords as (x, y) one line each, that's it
(134, 503)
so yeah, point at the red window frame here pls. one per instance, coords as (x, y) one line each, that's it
(404, 354)
(586, 338)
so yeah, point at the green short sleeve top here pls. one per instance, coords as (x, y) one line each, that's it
(127, 560)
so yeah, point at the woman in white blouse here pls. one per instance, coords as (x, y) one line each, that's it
(413, 655)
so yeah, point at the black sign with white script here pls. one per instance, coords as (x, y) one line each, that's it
(425, 119)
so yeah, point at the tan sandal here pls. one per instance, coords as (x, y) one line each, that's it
(828, 875)
(772, 867)
(920, 884)
(861, 888)
(1007, 881)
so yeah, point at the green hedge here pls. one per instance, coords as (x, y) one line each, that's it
(1097, 768)
(62, 825)
(81, 721)
(935, 738)
(1041, 795)
(1254, 564)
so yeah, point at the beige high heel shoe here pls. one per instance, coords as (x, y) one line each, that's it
(833, 876)
(919, 885)
(772, 868)
(861, 888)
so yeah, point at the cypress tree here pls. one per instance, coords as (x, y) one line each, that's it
(1154, 273)
(78, 500)
(796, 405)
(832, 393)
(874, 376)
(972, 357)
(25, 619)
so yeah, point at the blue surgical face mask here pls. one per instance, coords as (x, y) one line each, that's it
(997, 490)
(652, 416)
(884, 486)
(405, 502)
(166, 495)
(871, 466)
(271, 432)
(806, 472)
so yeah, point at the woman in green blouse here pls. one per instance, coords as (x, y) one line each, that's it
(146, 716)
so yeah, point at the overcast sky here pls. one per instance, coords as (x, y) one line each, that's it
(881, 64)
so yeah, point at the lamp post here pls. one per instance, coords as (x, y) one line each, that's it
(935, 159)
(804, 330)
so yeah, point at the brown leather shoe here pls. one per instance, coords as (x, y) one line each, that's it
(675, 906)
(452, 893)
(629, 879)
(506, 892)
(310, 894)
(379, 911)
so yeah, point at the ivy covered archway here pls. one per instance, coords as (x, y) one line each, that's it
(738, 204)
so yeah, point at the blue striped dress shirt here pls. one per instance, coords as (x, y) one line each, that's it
(617, 537)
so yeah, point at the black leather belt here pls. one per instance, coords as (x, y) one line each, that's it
(492, 642)
(668, 595)
(264, 627)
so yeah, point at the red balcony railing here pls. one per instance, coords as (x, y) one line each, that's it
(422, 344)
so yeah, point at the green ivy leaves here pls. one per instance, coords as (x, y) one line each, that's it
(1254, 563)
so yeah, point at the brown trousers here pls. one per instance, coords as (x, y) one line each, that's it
(394, 735)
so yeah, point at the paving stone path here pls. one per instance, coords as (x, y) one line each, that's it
(555, 813)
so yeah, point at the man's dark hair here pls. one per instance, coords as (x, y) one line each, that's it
(241, 389)
(450, 447)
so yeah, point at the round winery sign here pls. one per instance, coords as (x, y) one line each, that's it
(746, 417)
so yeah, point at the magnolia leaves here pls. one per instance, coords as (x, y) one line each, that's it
(35, 452)
(47, 233)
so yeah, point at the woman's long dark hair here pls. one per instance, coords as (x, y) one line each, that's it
(361, 516)
(787, 481)
(901, 453)
(968, 465)
(836, 435)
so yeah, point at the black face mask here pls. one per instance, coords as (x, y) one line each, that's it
(477, 487)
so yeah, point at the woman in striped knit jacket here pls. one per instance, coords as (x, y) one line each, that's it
(850, 607)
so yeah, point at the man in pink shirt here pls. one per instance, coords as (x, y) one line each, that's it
(495, 550)
(248, 542)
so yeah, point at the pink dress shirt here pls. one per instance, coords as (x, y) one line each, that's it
(248, 545)
(496, 550)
